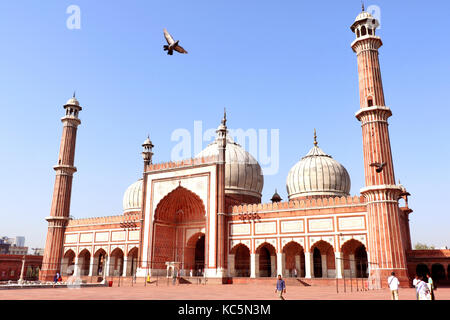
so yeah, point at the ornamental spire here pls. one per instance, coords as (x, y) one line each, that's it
(362, 5)
(315, 138)
(224, 120)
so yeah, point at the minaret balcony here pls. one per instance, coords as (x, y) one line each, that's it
(382, 112)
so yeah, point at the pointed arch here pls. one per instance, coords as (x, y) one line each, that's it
(68, 263)
(194, 252)
(116, 262)
(294, 259)
(241, 254)
(180, 205)
(84, 261)
(132, 260)
(323, 259)
(100, 260)
(355, 258)
(266, 256)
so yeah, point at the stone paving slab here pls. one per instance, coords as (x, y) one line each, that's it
(207, 292)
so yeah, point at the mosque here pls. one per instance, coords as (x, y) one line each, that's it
(204, 216)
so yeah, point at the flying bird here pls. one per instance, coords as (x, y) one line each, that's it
(172, 45)
(379, 166)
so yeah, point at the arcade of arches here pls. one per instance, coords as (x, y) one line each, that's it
(100, 264)
(320, 262)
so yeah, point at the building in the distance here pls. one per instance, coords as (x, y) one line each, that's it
(18, 250)
(4, 246)
(20, 241)
(206, 215)
(38, 251)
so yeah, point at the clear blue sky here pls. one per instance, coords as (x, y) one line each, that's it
(283, 65)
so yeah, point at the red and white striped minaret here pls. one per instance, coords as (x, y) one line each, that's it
(60, 210)
(385, 247)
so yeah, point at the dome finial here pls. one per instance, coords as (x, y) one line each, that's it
(362, 5)
(315, 137)
(224, 120)
(74, 93)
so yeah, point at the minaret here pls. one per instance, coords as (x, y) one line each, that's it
(60, 210)
(385, 247)
(221, 225)
(147, 156)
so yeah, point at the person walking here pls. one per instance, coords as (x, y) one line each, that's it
(430, 286)
(393, 285)
(56, 277)
(295, 272)
(281, 287)
(415, 283)
(422, 290)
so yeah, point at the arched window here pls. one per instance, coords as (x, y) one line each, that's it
(357, 33)
(369, 101)
(370, 31)
(363, 31)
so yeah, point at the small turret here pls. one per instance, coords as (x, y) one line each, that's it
(147, 151)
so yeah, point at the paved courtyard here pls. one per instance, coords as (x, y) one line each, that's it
(207, 292)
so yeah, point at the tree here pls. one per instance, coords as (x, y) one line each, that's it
(423, 246)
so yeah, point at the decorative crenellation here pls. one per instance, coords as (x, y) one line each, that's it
(182, 163)
(129, 218)
(299, 204)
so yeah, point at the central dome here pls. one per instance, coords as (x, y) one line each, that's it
(317, 175)
(243, 175)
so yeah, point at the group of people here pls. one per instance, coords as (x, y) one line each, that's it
(424, 290)
(424, 287)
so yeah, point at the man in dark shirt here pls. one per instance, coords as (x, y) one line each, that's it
(281, 287)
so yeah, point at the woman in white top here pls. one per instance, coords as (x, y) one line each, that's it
(422, 290)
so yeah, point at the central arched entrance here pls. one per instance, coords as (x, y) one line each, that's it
(179, 232)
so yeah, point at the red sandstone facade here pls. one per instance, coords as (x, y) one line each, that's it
(204, 215)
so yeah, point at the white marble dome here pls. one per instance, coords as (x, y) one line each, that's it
(132, 198)
(363, 15)
(73, 101)
(317, 174)
(243, 174)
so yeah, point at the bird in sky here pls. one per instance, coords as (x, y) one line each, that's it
(379, 166)
(172, 45)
